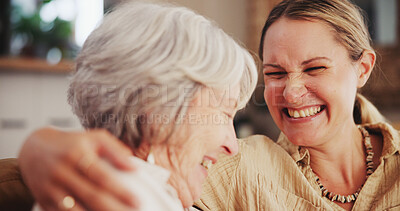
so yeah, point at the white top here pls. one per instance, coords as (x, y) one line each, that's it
(149, 184)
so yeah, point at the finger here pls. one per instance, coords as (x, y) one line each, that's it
(44, 198)
(90, 196)
(115, 151)
(59, 199)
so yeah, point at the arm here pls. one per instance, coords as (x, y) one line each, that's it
(55, 164)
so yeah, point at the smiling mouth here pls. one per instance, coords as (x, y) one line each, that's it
(305, 112)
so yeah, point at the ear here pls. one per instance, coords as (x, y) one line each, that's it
(365, 67)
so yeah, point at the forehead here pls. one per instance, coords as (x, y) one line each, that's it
(301, 39)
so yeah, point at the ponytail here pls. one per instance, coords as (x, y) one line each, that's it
(365, 112)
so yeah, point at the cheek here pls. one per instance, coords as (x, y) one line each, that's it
(338, 91)
(189, 148)
(347, 93)
(194, 148)
(273, 94)
(343, 87)
(349, 85)
(316, 87)
(205, 137)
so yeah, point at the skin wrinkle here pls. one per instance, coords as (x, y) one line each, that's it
(295, 88)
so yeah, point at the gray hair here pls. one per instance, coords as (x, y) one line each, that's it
(149, 59)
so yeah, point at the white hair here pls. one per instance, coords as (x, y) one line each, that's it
(152, 59)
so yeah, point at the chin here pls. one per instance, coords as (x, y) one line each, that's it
(192, 194)
(189, 201)
(300, 142)
(302, 138)
(196, 192)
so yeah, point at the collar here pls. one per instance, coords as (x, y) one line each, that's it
(299, 154)
(160, 174)
(391, 137)
(391, 143)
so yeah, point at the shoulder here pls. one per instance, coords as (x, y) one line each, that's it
(260, 145)
(252, 179)
(229, 174)
(254, 151)
(257, 141)
(386, 178)
(260, 153)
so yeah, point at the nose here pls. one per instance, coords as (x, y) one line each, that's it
(294, 90)
(230, 145)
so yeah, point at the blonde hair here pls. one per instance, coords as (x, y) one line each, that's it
(369, 114)
(150, 59)
(350, 29)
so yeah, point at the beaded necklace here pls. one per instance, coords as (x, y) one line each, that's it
(370, 169)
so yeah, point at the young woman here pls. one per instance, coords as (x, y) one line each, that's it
(335, 151)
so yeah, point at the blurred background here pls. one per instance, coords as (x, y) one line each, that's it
(40, 38)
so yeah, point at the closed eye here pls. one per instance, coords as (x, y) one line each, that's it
(315, 69)
(275, 74)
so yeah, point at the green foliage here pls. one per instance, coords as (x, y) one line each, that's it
(40, 36)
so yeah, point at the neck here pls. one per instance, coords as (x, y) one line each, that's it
(166, 156)
(341, 157)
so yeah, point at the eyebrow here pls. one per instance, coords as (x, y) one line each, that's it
(273, 65)
(303, 63)
(315, 58)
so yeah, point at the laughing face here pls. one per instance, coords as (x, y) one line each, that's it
(310, 81)
(206, 131)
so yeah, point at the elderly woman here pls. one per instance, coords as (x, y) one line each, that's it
(167, 82)
(336, 152)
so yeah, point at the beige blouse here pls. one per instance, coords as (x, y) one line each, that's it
(277, 176)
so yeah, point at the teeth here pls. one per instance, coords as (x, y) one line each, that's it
(307, 112)
(296, 114)
(290, 112)
(207, 164)
(304, 112)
